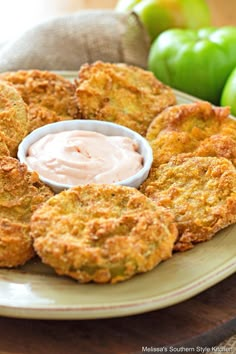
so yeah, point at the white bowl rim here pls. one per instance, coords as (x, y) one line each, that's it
(68, 125)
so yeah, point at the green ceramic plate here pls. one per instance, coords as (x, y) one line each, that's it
(35, 291)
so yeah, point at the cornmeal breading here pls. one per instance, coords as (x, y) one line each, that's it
(218, 146)
(21, 193)
(122, 94)
(4, 151)
(102, 233)
(199, 191)
(200, 120)
(50, 97)
(182, 128)
(13, 119)
(171, 144)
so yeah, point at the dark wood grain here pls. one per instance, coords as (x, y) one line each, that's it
(204, 320)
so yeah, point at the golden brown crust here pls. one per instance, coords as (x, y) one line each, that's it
(199, 119)
(102, 233)
(4, 151)
(122, 94)
(182, 128)
(171, 144)
(201, 193)
(15, 243)
(216, 146)
(13, 119)
(21, 193)
(50, 97)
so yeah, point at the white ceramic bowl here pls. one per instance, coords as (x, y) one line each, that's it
(106, 128)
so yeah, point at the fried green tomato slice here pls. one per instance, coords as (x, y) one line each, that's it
(13, 119)
(49, 96)
(199, 191)
(102, 233)
(122, 94)
(21, 193)
(4, 151)
(216, 145)
(182, 128)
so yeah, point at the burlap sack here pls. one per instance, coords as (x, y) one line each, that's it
(228, 346)
(64, 43)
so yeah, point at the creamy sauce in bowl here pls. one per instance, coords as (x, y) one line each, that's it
(81, 157)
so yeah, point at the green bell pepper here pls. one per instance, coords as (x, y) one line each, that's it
(159, 15)
(195, 61)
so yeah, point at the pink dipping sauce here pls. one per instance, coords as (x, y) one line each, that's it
(82, 157)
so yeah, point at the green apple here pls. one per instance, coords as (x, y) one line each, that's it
(159, 15)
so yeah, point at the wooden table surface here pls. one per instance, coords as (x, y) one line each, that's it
(205, 320)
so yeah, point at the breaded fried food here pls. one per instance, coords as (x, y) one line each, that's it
(13, 119)
(4, 151)
(21, 193)
(170, 144)
(182, 128)
(199, 119)
(102, 233)
(122, 94)
(217, 145)
(199, 191)
(49, 96)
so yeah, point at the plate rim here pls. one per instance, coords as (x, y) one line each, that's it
(120, 310)
(134, 307)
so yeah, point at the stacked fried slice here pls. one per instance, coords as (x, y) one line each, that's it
(197, 128)
(102, 233)
(122, 94)
(49, 96)
(21, 193)
(201, 193)
(13, 119)
(193, 173)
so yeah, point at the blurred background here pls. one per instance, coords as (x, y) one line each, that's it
(16, 16)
